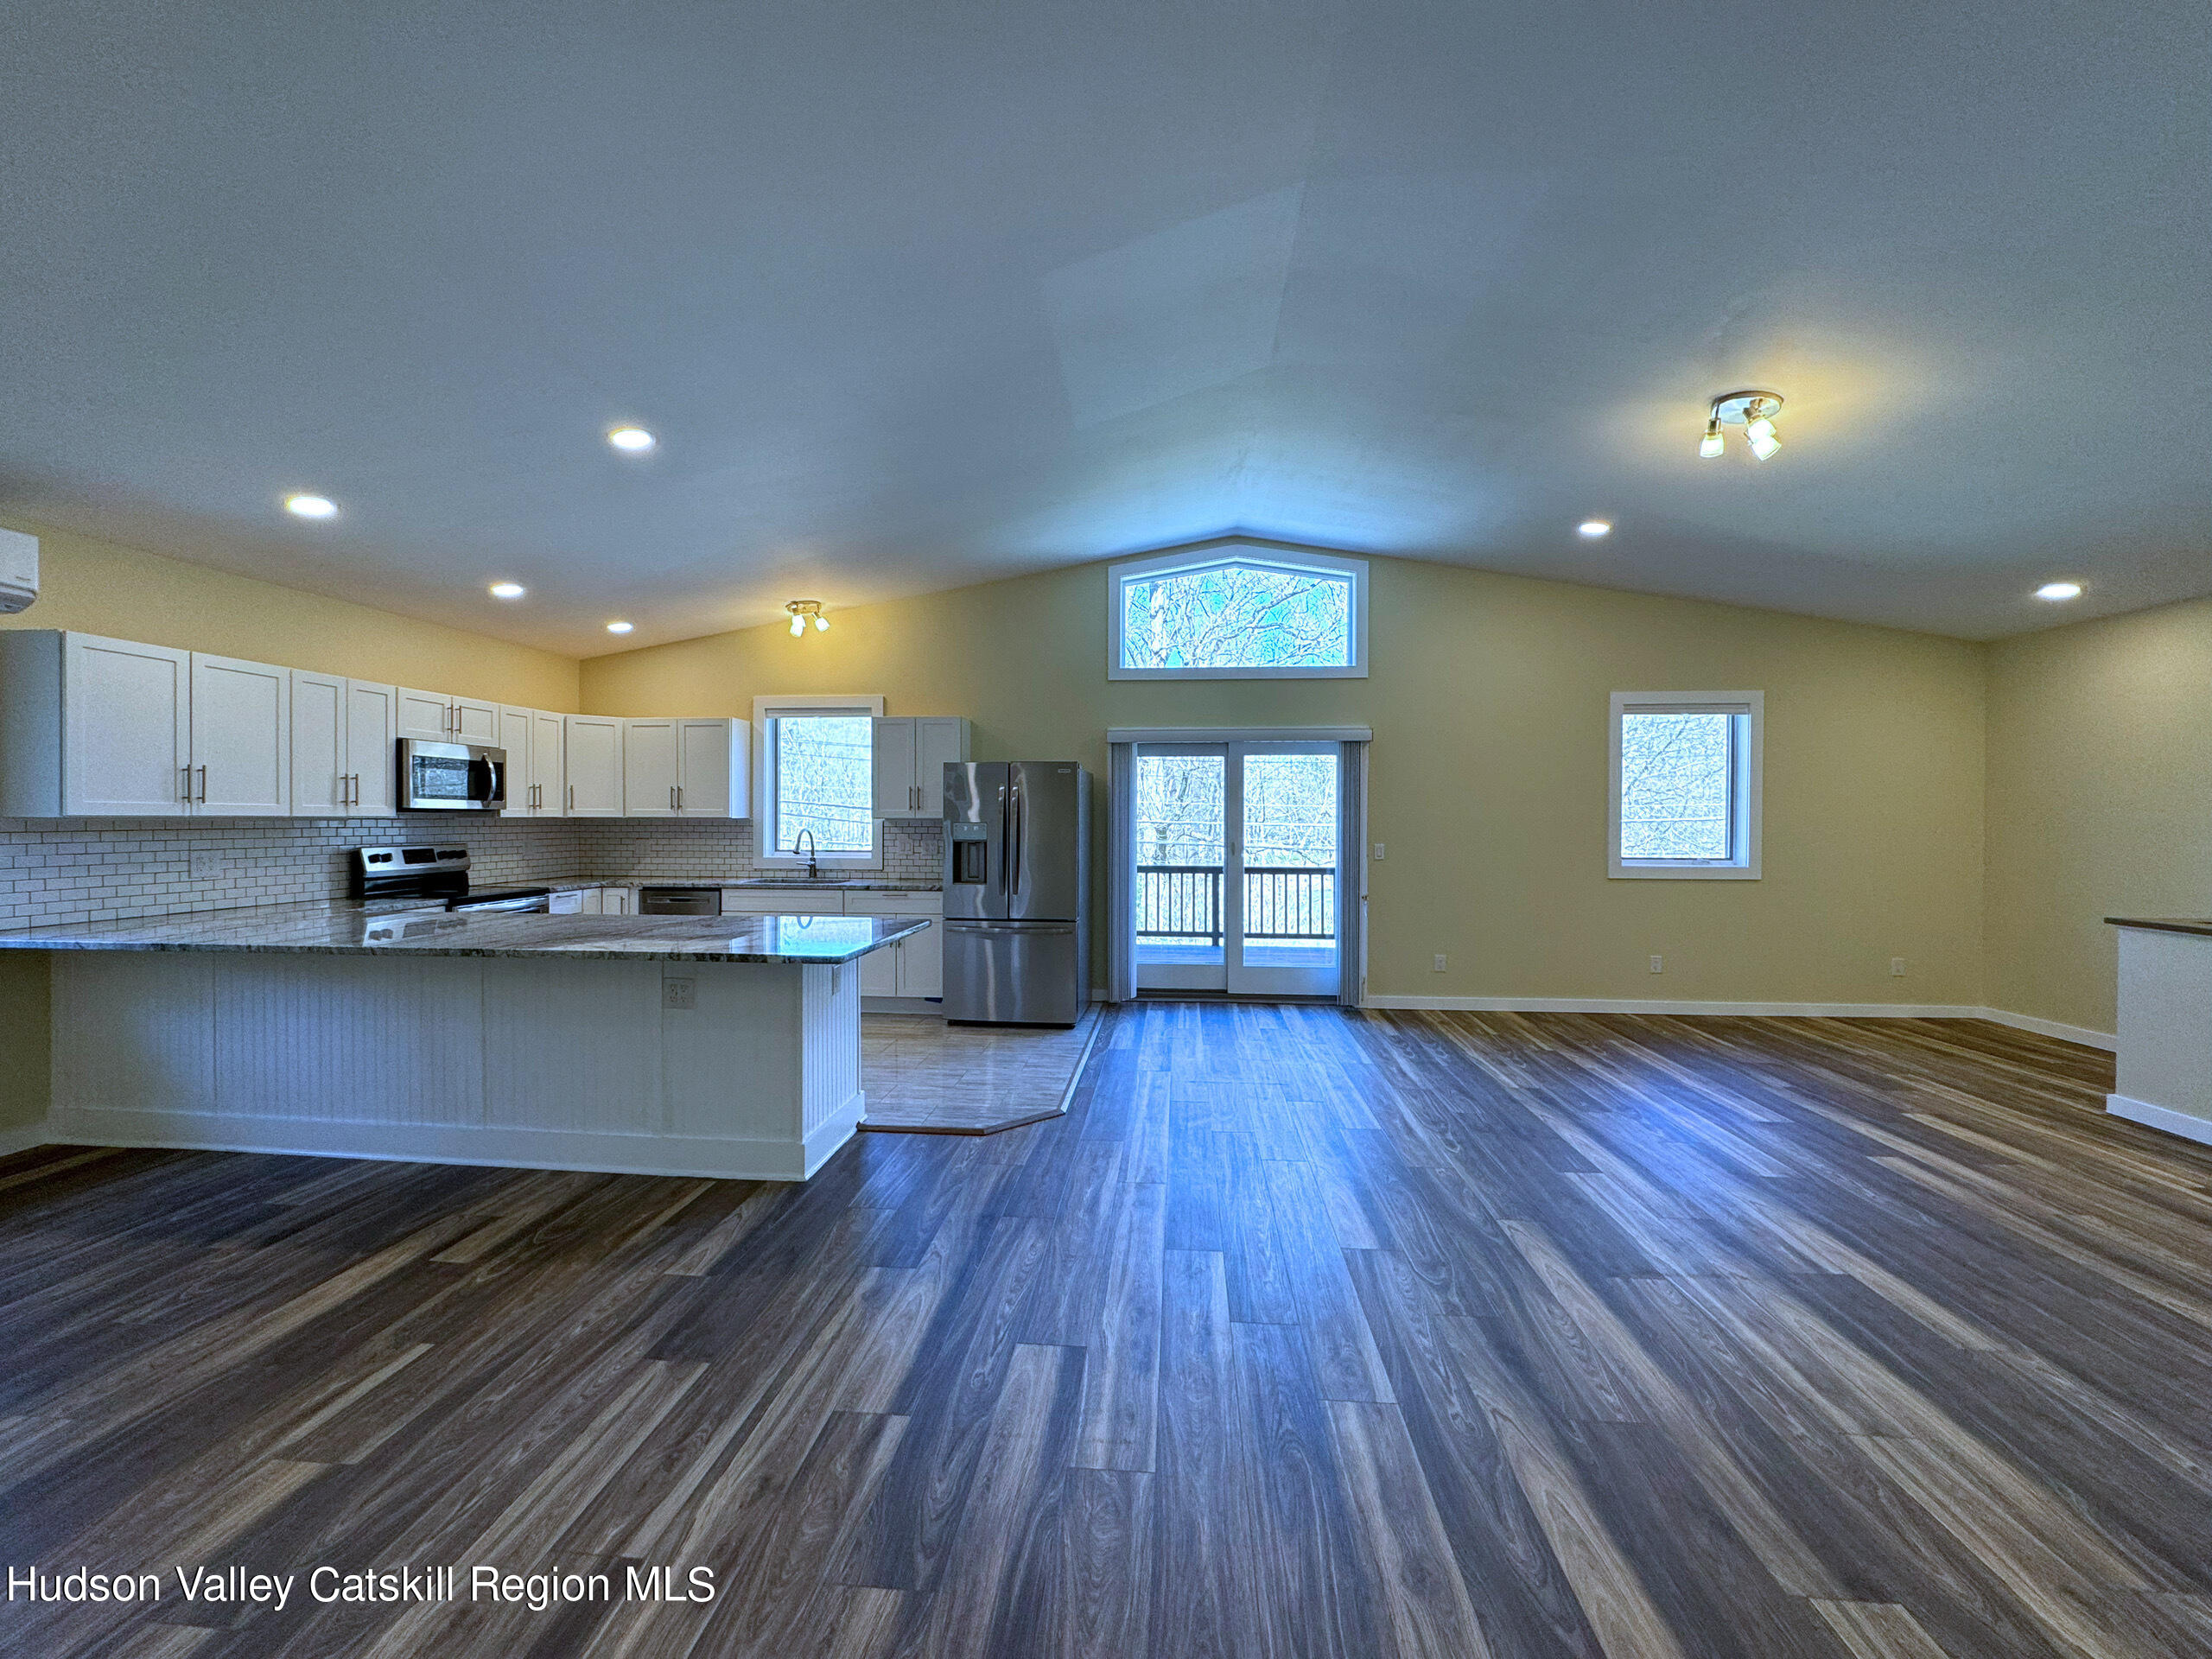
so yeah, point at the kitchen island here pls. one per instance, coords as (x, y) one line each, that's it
(719, 1046)
(2164, 1068)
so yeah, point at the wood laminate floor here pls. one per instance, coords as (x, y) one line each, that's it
(1303, 1333)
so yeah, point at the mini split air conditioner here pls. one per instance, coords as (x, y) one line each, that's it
(18, 571)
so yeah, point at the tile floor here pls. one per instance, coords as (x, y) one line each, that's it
(922, 1075)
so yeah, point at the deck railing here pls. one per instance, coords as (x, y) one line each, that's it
(1183, 901)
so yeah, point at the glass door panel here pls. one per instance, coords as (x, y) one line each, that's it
(1285, 940)
(1181, 885)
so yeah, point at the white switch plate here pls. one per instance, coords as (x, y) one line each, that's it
(1378, 852)
(1658, 964)
(1439, 962)
(1897, 967)
(679, 992)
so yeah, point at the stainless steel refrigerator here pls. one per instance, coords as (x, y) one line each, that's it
(1017, 892)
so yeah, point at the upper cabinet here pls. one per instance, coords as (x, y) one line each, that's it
(342, 734)
(686, 768)
(547, 787)
(241, 738)
(95, 727)
(441, 719)
(910, 757)
(594, 748)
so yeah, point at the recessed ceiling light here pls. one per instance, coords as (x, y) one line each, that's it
(635, 439)
(311, 506)
(1591, 529)
(618, 627)
(508, 590)
(2059, 590)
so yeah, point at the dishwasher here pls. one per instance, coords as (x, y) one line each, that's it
(679, 901)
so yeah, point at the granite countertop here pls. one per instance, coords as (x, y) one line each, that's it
(797, 884)
(342, 929)
(2164, 924)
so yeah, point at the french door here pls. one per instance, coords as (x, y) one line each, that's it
(1236, 875)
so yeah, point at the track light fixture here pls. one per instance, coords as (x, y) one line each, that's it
(1752, 410)
(802, 611)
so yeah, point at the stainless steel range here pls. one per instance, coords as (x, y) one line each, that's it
(435, 876)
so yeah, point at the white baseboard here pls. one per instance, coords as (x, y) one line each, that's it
(2185, 1124)
(23, 1137)
(2080, 1035)
(594, 1152)
(1637, 1005)
(2042, 1027)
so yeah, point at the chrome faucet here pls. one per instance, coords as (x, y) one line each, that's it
(813, 869)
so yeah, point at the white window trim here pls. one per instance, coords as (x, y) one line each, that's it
(1236, 552)
(1749, 781)
(765, 710)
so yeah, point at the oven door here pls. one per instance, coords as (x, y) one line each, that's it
(451, 777)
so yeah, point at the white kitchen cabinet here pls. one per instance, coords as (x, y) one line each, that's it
(442, 718)
(547, 788)
(921, 962)
(426, 714)
(475, 722)
(342, 754)
(714, 768)
(93, 727)
(241, 738)
(373, 748)
(910, 757)
(322, 785)
(594, 748)
(771, 901)
(651, 764)
(686, 768)
(515, 739)
(915, 966)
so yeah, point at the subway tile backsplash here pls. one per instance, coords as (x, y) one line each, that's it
(654, 849)
(59, 871)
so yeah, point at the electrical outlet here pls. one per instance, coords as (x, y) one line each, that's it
(679, 992)
(1439, 962)
(1658, 964)
(1897, 967)
(205, 865)
(1378, 852)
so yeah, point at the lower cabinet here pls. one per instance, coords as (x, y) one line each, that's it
(915, 966)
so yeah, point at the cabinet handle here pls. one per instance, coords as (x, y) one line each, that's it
(572, 798)
(203, 785)
(187, 785)
(671, 798)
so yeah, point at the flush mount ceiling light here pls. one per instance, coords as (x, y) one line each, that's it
(2055, 590)
(634, 440)
(803, 609)
(310, 506)
(1593, 529)
(1752, 410)
(508, 590)
(618, 627)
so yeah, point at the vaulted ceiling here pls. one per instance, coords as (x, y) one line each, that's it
(918, 295)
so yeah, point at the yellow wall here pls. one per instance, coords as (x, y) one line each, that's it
(2100, 800)
(24, 1043)
(1489, 702)
(99, 587)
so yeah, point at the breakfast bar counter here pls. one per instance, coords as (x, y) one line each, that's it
(2164, 1068)
(682, 1045)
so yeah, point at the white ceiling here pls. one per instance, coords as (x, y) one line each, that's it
(918, 295)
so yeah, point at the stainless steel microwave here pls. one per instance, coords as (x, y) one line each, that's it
(451, 777)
